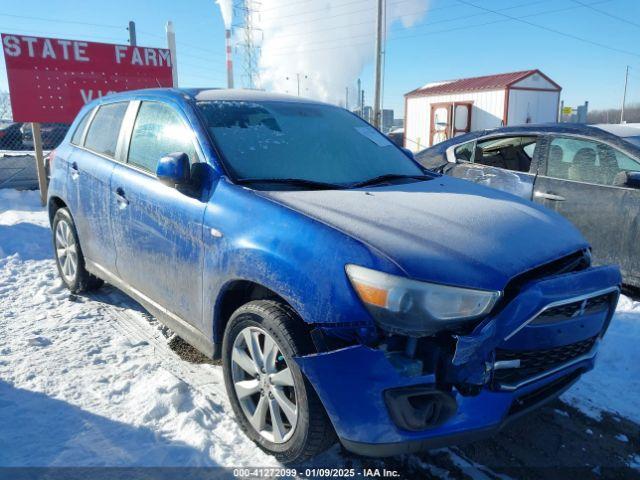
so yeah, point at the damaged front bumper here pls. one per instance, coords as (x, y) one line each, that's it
(533, 349)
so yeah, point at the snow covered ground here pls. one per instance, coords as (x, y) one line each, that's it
(89, 380)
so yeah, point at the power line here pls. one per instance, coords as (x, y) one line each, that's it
(58, 20)
(604, 12)
(465, 27)
(426, 24)
(552, 30)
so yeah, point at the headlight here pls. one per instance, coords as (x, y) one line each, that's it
(401, 305)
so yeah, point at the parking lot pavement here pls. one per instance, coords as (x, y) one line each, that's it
(18, 171)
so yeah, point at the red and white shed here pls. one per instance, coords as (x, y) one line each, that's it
(441, 110)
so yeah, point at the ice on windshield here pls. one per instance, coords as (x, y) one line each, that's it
(301, 140)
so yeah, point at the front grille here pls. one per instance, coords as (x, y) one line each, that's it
(599, 304)
(534, 362)
(575, 262)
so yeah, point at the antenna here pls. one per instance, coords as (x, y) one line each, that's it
(246, 11)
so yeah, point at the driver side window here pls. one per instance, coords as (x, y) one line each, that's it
(509, 153)
(159, 131)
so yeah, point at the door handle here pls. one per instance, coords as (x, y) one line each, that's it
(121, 198)
(549, 196)
(75, 172)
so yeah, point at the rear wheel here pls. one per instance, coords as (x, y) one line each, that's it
(68, 254)
(274, 403)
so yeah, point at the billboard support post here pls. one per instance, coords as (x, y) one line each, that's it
(171, 45)
(39, 154)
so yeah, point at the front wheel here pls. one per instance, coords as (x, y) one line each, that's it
(69, 258)
(274, 403)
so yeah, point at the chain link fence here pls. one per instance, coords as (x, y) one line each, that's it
(17, 157)
(17, 136)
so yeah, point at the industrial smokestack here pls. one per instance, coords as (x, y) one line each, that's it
(229, 59)
(226, 9)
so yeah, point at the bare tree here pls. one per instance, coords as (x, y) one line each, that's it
(5, 106)
(612, 115)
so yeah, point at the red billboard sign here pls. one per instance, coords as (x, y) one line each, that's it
(50, 79)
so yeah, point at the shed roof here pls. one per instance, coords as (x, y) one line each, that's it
(474, 84)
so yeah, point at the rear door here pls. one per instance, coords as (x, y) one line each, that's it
(508, 163)
(90, 167)
(157, 229)
(578, 180)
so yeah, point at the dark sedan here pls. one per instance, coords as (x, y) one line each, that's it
(10, 135)
(588, 173)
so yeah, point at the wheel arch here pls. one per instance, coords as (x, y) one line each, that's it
(233, 295)
(55, 204)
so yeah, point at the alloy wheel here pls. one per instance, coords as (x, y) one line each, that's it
(264, 385)
(66, 250)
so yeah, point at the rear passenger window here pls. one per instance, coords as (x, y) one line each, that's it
(158, 131)
(77, 135)
(102, 136)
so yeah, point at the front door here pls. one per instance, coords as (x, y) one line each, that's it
(157, 229)
(506, 163)
(582, 182)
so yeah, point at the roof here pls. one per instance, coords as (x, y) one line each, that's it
(205, 94)
(594, 131)
(621, 130)
(474, 84)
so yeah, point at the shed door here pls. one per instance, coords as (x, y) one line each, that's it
(449, 120)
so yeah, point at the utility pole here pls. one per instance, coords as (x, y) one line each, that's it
(171, 45)
(346, 98)
(378, 66)
(132, 33)
(624, 95)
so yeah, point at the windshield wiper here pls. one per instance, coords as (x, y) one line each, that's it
(298, 182)
(387, 177)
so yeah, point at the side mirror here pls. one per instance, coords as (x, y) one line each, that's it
(408, 153)
(173, 170)
(627, 179)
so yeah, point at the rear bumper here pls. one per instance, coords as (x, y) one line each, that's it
(353, 383)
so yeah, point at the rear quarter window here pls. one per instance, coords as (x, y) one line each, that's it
(76, 139)
(102, 136)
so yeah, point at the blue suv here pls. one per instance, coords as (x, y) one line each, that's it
(348, 291)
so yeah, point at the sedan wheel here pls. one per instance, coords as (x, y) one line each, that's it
(264, 384)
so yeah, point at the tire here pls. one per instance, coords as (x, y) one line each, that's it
(312, 432)
(65, 238)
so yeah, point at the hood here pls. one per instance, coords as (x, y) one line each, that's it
(444, 230)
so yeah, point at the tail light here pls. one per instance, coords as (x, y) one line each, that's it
(49, 159)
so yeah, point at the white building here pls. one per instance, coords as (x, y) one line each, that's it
(440, 110)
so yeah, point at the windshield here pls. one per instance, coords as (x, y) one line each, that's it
(291, 140)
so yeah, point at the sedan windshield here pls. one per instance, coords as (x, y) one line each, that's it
(283, 141)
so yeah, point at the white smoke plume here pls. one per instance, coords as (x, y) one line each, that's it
(326, 42)
(226, 9)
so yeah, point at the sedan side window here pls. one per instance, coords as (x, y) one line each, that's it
(104, 130)
(510, 153)
(464, 152)
(587, 161)
(159, 131)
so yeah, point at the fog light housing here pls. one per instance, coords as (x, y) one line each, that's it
(419, 408)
